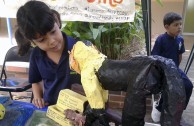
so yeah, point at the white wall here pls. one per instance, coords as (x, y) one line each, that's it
(158, 13)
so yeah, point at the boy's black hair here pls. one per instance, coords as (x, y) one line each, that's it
(33, 18)
(171, 17)
(56, 13)
(23, 43)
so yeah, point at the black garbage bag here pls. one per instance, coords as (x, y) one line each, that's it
(140, 77)
(96, 117)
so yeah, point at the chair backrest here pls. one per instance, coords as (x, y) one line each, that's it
(12, 55)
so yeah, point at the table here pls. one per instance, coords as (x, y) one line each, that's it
(20, 113)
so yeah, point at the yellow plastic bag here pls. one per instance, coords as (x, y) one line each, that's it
(86, 60)
(2, 111)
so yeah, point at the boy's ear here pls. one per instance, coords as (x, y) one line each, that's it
(166, 26)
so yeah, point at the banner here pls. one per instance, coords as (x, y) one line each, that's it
(80, 10)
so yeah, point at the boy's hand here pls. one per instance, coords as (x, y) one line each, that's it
(76, 118)
(39, 102)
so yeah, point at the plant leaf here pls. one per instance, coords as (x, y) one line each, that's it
(159, 2)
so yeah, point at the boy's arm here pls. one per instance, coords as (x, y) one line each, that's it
(38, 95)
(181, 51)
(157, 48)
(180, 58)
(37, 90)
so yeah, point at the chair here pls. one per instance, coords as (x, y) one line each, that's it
(13, 84)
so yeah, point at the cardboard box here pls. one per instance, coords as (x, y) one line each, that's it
(56, 114)
(2, 111)
(67, 99)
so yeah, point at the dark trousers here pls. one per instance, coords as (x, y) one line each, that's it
(188, 90)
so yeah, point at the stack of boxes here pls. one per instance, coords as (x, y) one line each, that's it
(67, 100)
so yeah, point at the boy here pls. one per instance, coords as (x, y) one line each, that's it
(171, 45)
(49, 61)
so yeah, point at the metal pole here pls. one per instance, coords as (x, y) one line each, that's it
(146, 10)
(9, 29)
(149, 25)
(190, 60)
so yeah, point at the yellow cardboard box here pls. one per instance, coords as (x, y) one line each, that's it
(57, 115)
(2, 111)
(67, 99)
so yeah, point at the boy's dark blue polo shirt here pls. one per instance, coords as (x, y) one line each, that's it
(172, 47)
(55, 76)
(169, 47)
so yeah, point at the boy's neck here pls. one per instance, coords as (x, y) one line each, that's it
(171, 35)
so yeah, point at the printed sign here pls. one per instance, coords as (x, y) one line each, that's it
(67, 99)
(81, 10)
